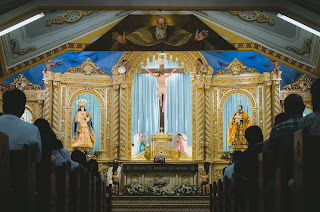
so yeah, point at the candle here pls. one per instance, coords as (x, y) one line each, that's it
(186, 125)
(147, 124)
(176, 125)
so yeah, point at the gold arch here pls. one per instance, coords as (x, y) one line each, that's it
(31, 111)
(231, 92)
(187, 58)
(93, 92)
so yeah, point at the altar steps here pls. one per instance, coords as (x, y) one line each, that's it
(160, 204)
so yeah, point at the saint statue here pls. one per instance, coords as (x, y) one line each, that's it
(84, 136)
(48, 65)
(178, 142)
(239, 122)
(162, 89)
(160, 37)
(139, 145)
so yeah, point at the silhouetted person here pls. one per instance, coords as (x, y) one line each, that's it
(18, 131)
(312, 121)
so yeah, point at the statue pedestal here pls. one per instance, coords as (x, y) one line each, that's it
(161, 143)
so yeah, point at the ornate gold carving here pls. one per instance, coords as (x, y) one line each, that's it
(254, 16)
(22, 83)
(70, 16)
(116, 123)
(87, 67)
(305, 49)
(108, 135)
(16, 48)
(123, 123)
(63, 113)
(56, 109)
(199, 124)
(303, 83)
(260, 109)
(233, 91)
(268, 109)
(208, 125)
(236, 67)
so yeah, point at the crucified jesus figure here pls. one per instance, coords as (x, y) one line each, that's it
(162, 89)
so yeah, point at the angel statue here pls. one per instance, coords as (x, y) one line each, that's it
(179, 142)
(139, 145)
(84, 136)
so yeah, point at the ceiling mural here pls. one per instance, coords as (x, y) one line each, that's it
(61, 31)
(106, 60)
(160, 33)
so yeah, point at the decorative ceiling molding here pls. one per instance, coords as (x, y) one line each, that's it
(304, 68)
(16, 49)
(258, 35)
(305, 49)
(254, 16)
(70, 16)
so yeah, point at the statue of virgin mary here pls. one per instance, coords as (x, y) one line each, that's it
(84, 136)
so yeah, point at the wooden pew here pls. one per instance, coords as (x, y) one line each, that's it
(22, 172)
(306, 181)
(108, 198)
(62, 186)
(5, 179)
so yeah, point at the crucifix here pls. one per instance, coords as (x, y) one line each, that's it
(162, 89)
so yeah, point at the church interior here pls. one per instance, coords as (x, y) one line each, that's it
(160, 94)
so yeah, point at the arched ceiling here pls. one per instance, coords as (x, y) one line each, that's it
(278, 40)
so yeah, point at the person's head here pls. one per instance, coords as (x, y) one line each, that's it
(199, 61)
(281, 117)
(235, 156)
(161, 28)
(240, 108)
(253, 135)
(204, 172)
(79, 157)
(159, 73)
(124, 62)
(115, 160)
(294, 106)
(315, 94)
(57, 144)
(14, 102)
(82, 108)
(93, 167)
(48, 138)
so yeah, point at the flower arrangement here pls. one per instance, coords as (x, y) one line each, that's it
(136, 189)
(227, 156)
(186, 190)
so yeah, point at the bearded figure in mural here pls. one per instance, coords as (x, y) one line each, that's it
(239, 122)
(161, 37)
(84, 136)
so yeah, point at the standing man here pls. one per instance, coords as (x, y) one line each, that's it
(162, 89)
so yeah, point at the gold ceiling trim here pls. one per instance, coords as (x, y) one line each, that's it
(305, 48)
(254, 16)
(303, 83)
(16, 48)
(70, 16)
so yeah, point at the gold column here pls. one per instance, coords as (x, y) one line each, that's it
(116, 120)
(198, 121)
(56, 108)
(268, 106)
(208, 123)
(215, 122)
(47, 106)
(125, 122)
